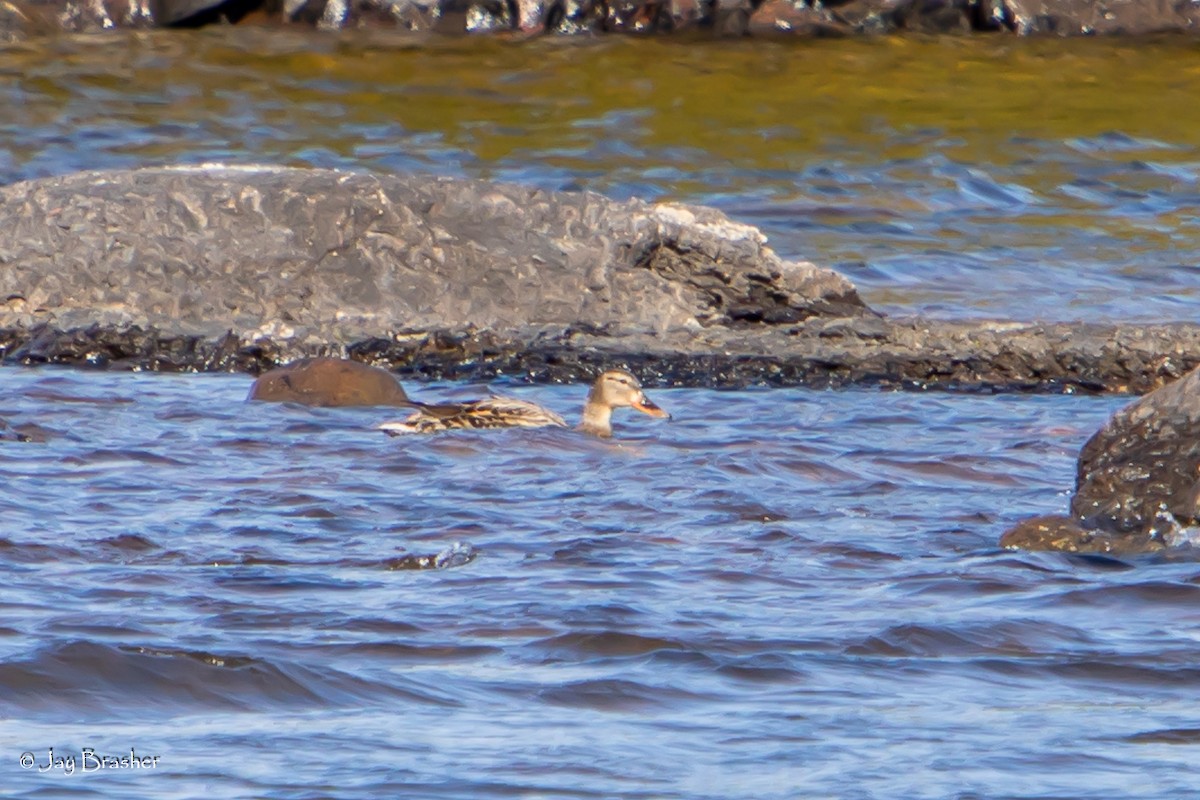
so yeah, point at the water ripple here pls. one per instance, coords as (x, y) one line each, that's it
(830, 594)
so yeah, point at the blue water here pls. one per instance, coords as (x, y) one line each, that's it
(778, 594)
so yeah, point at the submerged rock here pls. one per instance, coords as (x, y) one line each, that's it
(1137, 486)
(1064, 534)
(456, 554)
(24, 432)
(329, 382)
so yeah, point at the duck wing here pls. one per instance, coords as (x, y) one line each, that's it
(492, 412)
(440, 410)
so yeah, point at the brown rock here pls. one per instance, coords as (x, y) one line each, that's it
(329, 382)
(1146, 459)
(966, 356)
(786, 16)
(1054, 532)
(1137, 485)
(1092, 17)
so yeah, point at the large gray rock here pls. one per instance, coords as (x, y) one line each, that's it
(1137, 485)
(322, 256)
(220, 268)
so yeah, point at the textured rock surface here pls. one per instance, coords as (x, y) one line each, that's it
(1138, 480)
(1108, 17)
(21, 18)
(329, 382)
(1145, 459)
(218, 269)
(318, 256)
(1060, 533)
(902, 354)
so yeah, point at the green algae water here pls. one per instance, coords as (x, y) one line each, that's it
(979, 176)
(759, 105)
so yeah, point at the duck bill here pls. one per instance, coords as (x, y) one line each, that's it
(645, 406)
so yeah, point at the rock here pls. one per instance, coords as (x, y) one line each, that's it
(1137, 485)
(222, 268)
(329, 382)
(456, 554)
(327, 256)
(888, 16)
(1145, 459)
(24, 18)
(134, 348)
(933, 16)
(791, 17)
(21, 19)
(174, 12)
(971, 356)
(1054, 532)
(24, 432)
(1089, 17)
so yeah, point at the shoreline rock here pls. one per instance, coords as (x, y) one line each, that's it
(22, 19)
(916, 355)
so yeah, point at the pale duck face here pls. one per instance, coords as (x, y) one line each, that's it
(616, 388)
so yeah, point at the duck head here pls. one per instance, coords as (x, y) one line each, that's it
(615, 388)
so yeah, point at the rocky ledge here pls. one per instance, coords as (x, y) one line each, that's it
(820, 353)
(222, 268)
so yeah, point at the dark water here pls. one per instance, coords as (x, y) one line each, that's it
(781, 594)
(778, 594)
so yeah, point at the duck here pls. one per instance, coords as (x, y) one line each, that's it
(614, 388)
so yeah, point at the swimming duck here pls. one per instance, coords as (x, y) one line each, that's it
(615, 388)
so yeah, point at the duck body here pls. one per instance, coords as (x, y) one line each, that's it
(492, 412)
(615, 388)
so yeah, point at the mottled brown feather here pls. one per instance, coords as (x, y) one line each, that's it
(493, 412)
